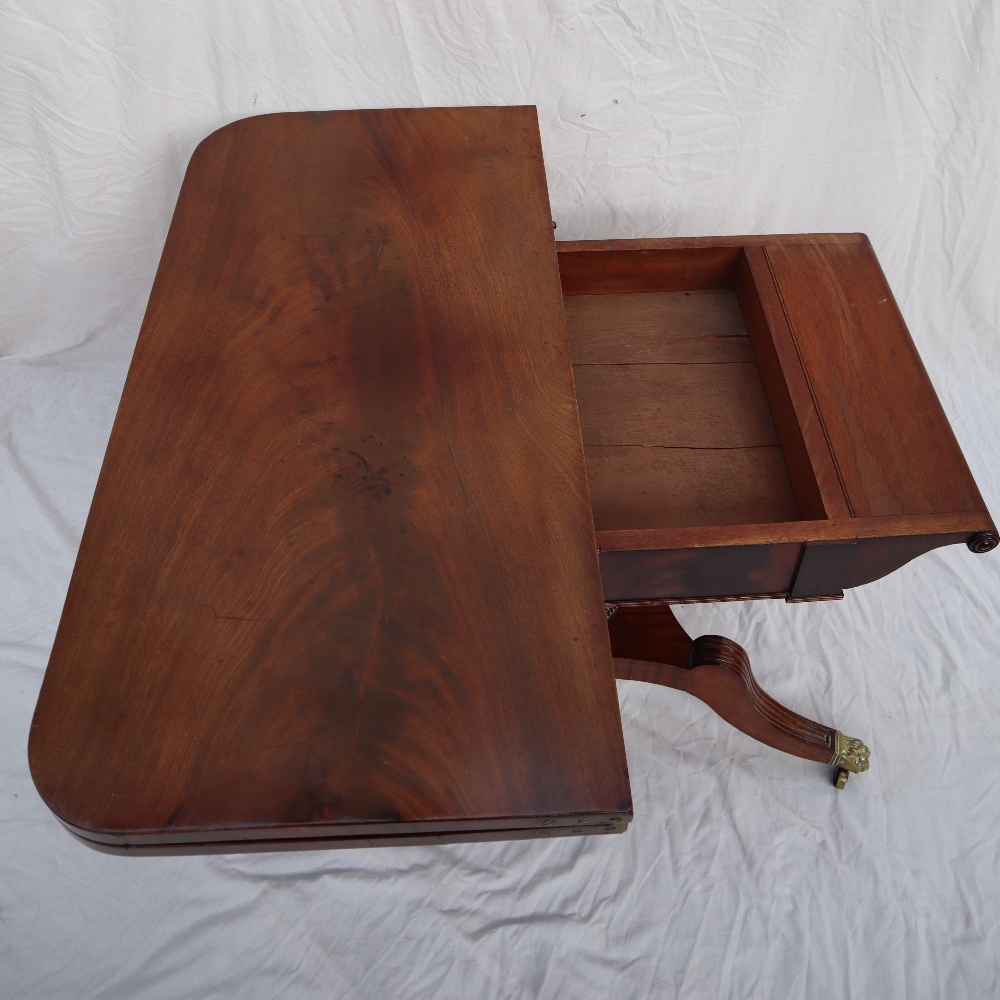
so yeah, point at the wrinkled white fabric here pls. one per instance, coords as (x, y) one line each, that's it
(744, 873)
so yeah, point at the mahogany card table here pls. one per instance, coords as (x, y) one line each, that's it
(398, 486)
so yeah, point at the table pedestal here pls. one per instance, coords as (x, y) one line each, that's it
(650, 645)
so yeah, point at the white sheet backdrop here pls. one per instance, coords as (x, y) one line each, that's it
(744, 874)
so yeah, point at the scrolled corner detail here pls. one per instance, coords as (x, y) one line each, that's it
(850, 753)
(983, 541)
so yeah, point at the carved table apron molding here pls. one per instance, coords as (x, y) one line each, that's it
(384, 451)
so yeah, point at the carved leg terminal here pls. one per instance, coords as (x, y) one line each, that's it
(650, 645)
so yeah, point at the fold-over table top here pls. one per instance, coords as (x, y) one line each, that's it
(339, 579)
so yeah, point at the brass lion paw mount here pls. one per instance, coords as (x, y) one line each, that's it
(850, 756)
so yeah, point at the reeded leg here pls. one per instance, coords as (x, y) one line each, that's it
(650, 645)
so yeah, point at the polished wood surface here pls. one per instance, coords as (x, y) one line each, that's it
(605, 267)
(824, 570)
(836, 469)
(340, 584)
(676, 425)
(702, 572)
(867, 459)
(703, 327)
(650, 645)
(808, 459)
(674, 406)
(894, 449)
(339, 580)
(641, 487)
(951, 528)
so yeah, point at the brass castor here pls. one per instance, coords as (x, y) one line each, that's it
(850, 756)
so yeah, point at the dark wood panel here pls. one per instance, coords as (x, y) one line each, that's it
(648, 633)
(721, 677)
(823, 571)
(340, 569)
(352, 833)
(655, 492)
(604, 270)
(893, 445)
(648, 487)
(614, 824)
(729, 571)
(702, 243)
(650, 645)
(957, 527)
(878, 557)
(679, 406)
(674, 417)
(675, 327)
(807, 458)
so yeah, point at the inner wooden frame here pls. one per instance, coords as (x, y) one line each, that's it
(687, 418)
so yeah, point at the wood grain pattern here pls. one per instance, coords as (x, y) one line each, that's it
(875, 470)
(339, 579)
(840, 381)
(706, 249)
(613, 824)
(700, 327)
(721, 677)
(603, 268)
(673, 406)
(823, 571)
(655, 487)
(650, 645)
(955, 527)
(862, 367)
(810, 466)
(875, 558)
(676, 425)
(649, 633)
(709, 572)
